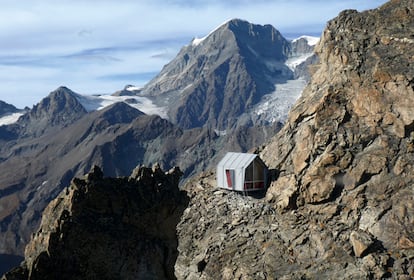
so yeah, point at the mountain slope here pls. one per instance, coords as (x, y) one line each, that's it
(40, 166)
(216, 79)
(341, 204)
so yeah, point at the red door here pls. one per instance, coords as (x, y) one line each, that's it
(230, 178)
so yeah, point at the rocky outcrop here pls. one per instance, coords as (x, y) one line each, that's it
(341, 204)
(108, 228)
(228, 235)
(348, 143)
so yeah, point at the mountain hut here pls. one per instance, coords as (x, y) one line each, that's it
(242, 172)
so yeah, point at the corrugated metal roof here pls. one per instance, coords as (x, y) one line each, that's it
(236, 160)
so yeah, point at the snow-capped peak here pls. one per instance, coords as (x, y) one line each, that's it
(197, 41)
(312, 41)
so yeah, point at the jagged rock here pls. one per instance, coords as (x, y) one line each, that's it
(348, 138)
(361, 241)
(108, 228)
(282, 192)
(342, 205)
(95, 174)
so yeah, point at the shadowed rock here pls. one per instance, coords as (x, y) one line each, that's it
(108, 228)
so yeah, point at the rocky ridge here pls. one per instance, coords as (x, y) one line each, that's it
(59, 109)
(341, 205)
(6, 108)
(108, 228)
(350, 136)
(227, 235)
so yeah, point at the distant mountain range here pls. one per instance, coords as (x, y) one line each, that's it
(228, 91)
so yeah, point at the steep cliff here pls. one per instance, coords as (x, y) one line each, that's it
(108, 228)
(350, 136)
(342, 202)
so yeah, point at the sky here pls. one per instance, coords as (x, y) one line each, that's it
(99, 46)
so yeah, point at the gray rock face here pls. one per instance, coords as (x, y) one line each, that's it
(216, 79)
(341, 204)
(348, 140)
(108, 228)
(304, 69)
(300, 46)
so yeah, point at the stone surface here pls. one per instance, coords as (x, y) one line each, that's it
(282, 192)
(361, 242)
(341, 206)
(108, 228)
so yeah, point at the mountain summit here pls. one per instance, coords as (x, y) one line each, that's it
(60, 108)
(215, 79)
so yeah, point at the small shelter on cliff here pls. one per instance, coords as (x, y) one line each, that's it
(242, 172)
